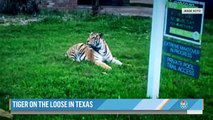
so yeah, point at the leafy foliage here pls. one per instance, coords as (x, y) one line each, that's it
(16, 6)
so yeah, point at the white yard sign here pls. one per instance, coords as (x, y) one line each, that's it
(181, 20)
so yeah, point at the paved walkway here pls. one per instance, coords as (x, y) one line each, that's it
(142, 1)
(124, 10)
(128, 11)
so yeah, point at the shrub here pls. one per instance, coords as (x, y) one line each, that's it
(19, 6)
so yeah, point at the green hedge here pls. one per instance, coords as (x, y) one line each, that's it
(19, 6)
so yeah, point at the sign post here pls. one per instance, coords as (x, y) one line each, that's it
(180, 21)
(183, 34)
(156, 49)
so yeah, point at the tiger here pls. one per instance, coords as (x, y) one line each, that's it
(95, 50)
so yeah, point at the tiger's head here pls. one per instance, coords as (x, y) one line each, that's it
(95, 41)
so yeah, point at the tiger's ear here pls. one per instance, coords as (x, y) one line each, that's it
(101, 35)
(91, 34)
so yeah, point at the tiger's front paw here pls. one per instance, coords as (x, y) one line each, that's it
(108, 68)
(119, 63)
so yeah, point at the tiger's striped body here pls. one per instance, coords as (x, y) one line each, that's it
(96, 50)
(80, 52)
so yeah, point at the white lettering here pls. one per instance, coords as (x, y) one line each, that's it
(84, 104)
(58, 104)
(192, 10)
(20, 104)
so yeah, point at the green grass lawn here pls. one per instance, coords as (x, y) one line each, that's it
(32, 65)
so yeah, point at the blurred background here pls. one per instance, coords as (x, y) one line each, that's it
(15, 7)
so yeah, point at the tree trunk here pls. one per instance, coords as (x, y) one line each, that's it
(95, 7)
